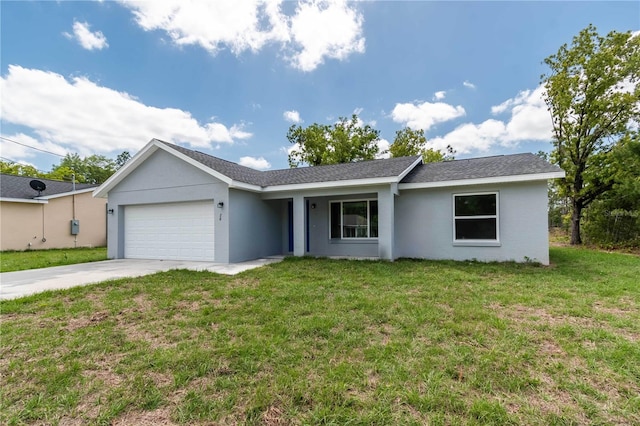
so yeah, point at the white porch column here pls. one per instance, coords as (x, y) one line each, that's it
(386, 237)
(298, 225)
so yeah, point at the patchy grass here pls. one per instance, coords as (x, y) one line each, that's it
(34, 259)
(314, 341)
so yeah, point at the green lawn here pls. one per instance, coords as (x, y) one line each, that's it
(313, 341)
(33, 259)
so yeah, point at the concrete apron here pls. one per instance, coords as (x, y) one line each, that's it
(24, 283)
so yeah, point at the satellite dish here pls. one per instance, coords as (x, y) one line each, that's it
(38, 185)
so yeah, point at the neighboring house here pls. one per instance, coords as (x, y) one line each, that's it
(32, 219)
(170, 202)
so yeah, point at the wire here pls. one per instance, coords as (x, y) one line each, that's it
(32, 147)
(9, 160)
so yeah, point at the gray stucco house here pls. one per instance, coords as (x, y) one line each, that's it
(169, 202)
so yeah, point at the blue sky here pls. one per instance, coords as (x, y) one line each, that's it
(229, 78)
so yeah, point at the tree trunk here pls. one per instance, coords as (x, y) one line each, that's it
(576, 213)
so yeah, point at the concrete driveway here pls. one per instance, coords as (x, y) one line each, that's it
(24, 283)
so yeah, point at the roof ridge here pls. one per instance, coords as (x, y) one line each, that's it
(489, 156)
(262, 173)
(209, 155)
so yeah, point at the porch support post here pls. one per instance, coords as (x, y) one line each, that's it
(386, 227)
(298, 225)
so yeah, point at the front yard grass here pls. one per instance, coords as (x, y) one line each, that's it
(316, 341)
(33, 259)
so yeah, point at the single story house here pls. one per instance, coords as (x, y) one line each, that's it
(169, 202)
(59, 215)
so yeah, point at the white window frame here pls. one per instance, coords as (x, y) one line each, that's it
(342, 237)
(473, 242)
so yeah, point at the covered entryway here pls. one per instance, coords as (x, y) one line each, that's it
(171, 231)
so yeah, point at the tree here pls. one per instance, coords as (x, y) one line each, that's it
(93, 169)
(593, 96)
(122, 158)
(614, 219)
(413, 142)
(343, 142)
(11, 168)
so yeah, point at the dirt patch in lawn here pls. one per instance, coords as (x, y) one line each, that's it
(160, 416)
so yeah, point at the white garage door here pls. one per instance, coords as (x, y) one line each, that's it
(172, 231)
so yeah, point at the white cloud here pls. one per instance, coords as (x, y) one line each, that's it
(529, 121)
(470, 137)
(440, 95)
(383, 148)
(468, 84)
(84, 117)
(315, 31)
(87, 39)
(322, 29)
(17, 152)
(255, 163)
(292, 148)
(521, 97)
(292, 116)
(426, 114)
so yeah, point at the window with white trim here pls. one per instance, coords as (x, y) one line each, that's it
(354, 219)
(475, 217)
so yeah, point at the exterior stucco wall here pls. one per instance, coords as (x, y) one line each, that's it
(320, 243)
(163, 178)
(254, 226)
(24, 225)
(424, 224)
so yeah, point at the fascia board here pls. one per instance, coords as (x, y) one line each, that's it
(244, 186)
(66, 194)
(482, 181)
(331, 184)
(24, 200)
(323, 192)
(408, 169)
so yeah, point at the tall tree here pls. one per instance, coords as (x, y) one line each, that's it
(91, 169)
(413, 142)
(593, 95)
(346, 141)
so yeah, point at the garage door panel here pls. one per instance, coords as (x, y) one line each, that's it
(172, 231)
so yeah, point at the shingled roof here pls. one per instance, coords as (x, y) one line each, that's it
(17, 187)
(391, 167)
(479, 168)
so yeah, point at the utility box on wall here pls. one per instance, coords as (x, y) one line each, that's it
(75, 227)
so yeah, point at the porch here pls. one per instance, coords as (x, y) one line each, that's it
(340, 223)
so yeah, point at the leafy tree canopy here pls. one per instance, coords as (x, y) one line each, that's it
(346, 141)
(92, 169)
(593, 95)
(410, 142)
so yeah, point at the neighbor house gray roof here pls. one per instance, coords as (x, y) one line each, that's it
(335, 172)
(478, 168)
(12, 186)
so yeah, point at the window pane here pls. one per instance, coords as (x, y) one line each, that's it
(354, 219)
(476, 229)
(335, 220)
(373, 216)
(475, 205)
